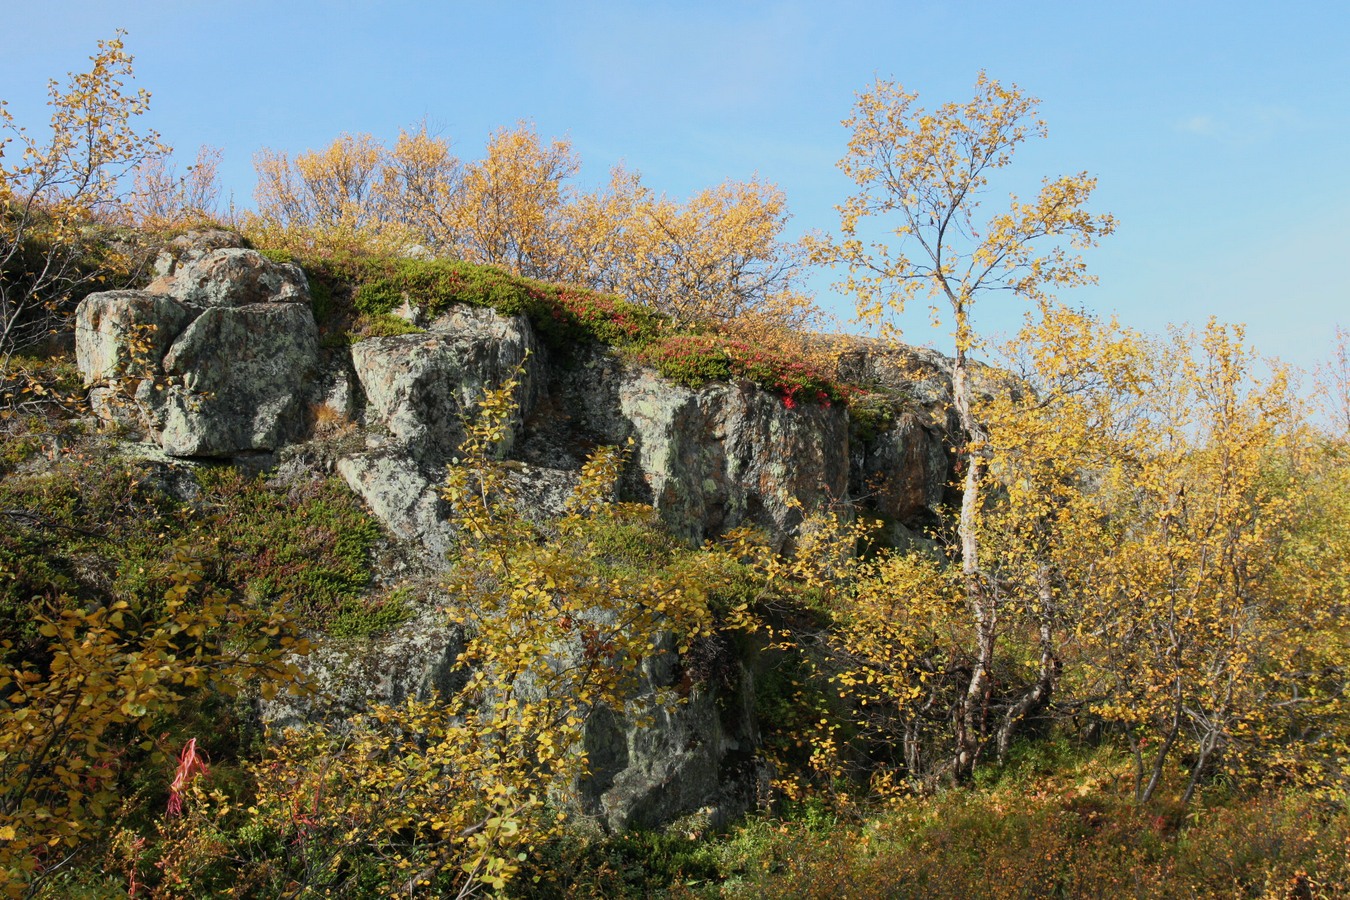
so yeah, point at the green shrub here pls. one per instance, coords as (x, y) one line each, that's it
(689, 359)
(698, 359)
(562, 316)
(307, 548)
(20, 440)
(76, 533)
(321, 299)
(379, 325)
(635, 864)
(87, 531)
(282, 257)
(1033, 844)
(632, 541)
(356, 617)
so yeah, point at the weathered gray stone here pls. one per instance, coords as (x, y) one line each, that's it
(416, 659)
(120, 337)
(198, 242)
(420, 386)
(402, 498)
(193, 245)
(732, 454)
(236, 380)
(236, 277)
(232, 349)
(658, 761)
(541, 492)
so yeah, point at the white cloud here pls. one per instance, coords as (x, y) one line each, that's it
(1245, 126)
(1201, 125)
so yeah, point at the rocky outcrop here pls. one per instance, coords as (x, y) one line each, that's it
(216, 359)
(709, 459)
(220, 357)
(417, 659)
(901, 438)
(697, 755)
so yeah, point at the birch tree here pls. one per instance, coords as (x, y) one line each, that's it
(915, 228)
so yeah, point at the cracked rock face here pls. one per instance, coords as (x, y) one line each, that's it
(402, 498)
(732, 454)
(419, 387)
(122, 335)
(236, 277)
(696, 756)
(417, 659)
(215, 361)
(903, 472)
(234, 375)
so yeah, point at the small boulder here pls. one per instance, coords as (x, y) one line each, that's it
(120, 337)
(419, 658)
(237, 277)
(236, 380)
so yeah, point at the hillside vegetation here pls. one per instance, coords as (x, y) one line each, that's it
(1117, 666)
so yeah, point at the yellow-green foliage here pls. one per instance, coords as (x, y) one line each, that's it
(53, 190)
(1032, 844)
(450, 793)
(382, 325)
(79, 720)
(717, 258)
(1153, 521)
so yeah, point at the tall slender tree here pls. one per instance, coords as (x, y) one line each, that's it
(914, 227)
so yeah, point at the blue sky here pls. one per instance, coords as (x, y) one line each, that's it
(1218, 131)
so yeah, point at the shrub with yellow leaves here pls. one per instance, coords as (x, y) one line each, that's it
(56, 190)
(75, 721)
(717, 258)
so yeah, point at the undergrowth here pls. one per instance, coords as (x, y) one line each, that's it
(86, 529)
(306, 546)
(1080, 841)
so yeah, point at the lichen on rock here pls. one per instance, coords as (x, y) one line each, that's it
(215, 361)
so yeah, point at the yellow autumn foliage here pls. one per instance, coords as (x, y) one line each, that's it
(53, 191)
(716, 258)
(112, 677)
